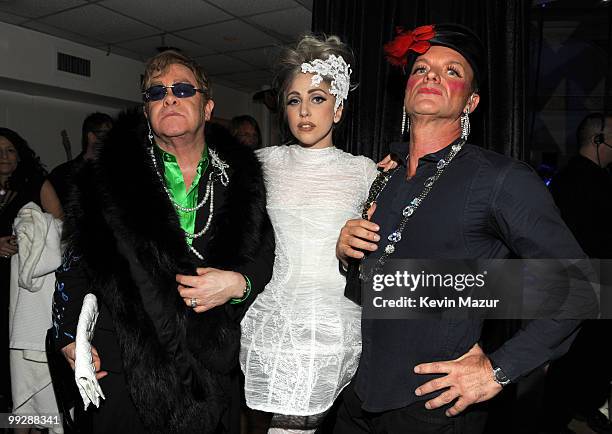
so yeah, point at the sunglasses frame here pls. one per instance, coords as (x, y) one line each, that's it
(147, 98)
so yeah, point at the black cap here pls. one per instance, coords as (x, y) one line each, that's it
(464, 41)
(454, 36)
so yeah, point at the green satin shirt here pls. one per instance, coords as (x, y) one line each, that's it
(175, 183)
(188, 198)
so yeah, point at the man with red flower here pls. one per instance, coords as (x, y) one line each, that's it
(450, 200)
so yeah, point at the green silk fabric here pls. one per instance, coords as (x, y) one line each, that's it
(175, 183)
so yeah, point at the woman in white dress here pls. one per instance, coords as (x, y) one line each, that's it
(301, 338)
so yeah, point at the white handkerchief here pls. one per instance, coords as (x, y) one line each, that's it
(84, 370)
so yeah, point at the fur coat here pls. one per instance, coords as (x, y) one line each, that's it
(177, 363)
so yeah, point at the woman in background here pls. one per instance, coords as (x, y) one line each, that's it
(22, 180)
(246, 130)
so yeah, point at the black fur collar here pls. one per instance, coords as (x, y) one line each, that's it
(137, 209)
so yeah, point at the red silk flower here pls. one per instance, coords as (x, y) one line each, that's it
(416, 40)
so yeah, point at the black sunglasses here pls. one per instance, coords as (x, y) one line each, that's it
(180, 90)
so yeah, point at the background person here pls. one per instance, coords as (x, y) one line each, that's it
(583, 192)
(22, 180)
(246, 130)
(94, 130)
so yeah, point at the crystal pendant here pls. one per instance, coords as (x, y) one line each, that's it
(389, 249)
(408, 211)
(415, 202)
(441, 163)
(395, 237)
(430, 181)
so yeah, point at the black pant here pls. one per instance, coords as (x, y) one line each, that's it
(413, 419)
(579, 382)
(117, 413)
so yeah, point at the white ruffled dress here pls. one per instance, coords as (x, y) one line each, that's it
(301, 338)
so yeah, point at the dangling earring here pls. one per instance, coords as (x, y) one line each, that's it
(465, 124)
(405, 123)
(150, 136)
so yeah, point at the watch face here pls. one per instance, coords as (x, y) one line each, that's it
(500, 377)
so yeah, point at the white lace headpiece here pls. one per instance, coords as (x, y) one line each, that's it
(335, 68)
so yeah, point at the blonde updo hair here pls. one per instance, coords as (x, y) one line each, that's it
(289, 64)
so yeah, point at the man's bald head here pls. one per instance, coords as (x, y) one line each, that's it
(591, 126)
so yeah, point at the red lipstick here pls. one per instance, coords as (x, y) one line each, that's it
(429, 90)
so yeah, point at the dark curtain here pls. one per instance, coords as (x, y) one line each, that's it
(374, 109)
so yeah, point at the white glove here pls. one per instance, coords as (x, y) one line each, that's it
(84, 369)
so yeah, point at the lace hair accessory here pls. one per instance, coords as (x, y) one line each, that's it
(333, 67)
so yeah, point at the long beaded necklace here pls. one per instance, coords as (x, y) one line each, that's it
(219, 171)
(408, 211)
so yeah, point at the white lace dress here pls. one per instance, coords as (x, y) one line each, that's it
(301, 338)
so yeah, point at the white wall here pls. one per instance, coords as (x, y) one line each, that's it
(38, 101)
(32, 57)
(228, 102)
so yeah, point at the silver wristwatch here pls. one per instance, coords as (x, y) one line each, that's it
(500, 377)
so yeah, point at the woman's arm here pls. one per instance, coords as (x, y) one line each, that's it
(50, 201)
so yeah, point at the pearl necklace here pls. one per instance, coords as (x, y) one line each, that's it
(408, 211)
(218, 171)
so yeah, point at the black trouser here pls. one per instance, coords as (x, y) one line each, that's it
(117, 413)
(413, 419)
(579, 382)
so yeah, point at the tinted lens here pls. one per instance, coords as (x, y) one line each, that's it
(183, 90)
(155, 93)
(180, 90)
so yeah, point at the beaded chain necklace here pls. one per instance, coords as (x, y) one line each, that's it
(408, 211)
(218, 172)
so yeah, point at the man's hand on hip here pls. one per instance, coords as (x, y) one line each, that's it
(468, 380)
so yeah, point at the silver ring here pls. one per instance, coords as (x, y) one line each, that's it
(194, 302)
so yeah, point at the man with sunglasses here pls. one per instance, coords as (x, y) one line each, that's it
(95, 128)
(172, 235)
